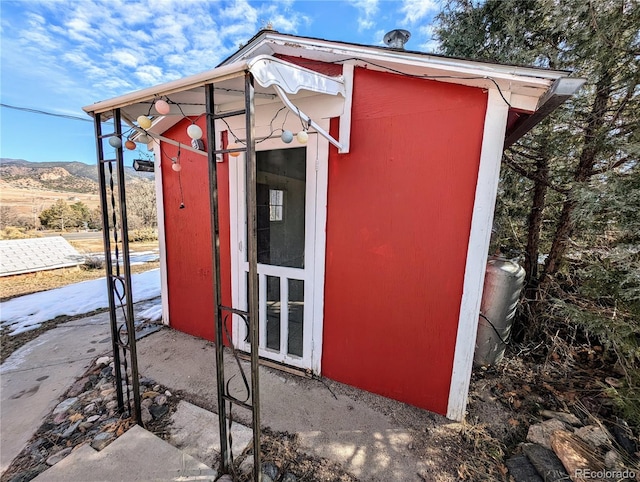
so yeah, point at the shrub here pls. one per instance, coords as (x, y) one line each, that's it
(143, 235)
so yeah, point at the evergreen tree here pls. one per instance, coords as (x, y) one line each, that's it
(569, 192)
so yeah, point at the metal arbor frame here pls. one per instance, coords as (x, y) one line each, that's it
(114, 221)
(251, 315)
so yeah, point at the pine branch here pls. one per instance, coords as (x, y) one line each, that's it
(530, 175)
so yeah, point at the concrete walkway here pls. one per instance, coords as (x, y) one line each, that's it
(348, 427)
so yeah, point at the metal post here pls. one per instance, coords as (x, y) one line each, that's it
(252, 246)
(113, 321)
(124, 233)
(225, 453)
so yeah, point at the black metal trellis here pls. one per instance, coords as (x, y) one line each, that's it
(250, 316)
(114, 221)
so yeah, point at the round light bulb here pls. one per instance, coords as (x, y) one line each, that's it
(130, 145)
(162, 107)
(302, 137)
(176, 167)
(194, 132)
(144, 121)
(287, 137)
(115, 141)
(144, 139)
(233, 146)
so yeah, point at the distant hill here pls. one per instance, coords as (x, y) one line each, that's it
(75, 177)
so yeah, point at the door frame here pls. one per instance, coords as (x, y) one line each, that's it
(317, 161)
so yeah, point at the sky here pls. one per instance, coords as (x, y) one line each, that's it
(58, 56)
(28, 312)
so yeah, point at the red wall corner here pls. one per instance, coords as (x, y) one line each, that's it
(188, 236)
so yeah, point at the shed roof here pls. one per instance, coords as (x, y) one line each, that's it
(532, 92)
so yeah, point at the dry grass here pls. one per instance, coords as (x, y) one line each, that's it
(23, 284)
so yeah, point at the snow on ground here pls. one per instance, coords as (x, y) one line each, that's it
(30, 311)
(139, 257)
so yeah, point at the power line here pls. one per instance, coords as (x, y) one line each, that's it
(42, 112)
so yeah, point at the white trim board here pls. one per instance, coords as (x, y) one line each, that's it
(495, 124)
(162, 241)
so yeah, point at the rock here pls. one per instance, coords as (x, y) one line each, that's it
(540, 433)
(150, 394)
(90, 408)
(145, 415)
(69, 431)
(93, 418)
(58, 456)
(225, 478)
(65, 405)
(594, 435)
(79, 386)
(569, 418)
(522, 470)
(108, 393)
(266, 478)
(158, 411)
(84, 426)
(624, 436)
(574, 453)
(146, 403)
(106, 372)
(59, 418)
(289, 477)
(160, 400)
(112, 405)
(103, 361)
(157, 388)
(105, 386)
(246, 467)
(547, 463)
(146, 381)
(270, 470)
(167, 393)
(612, 460)
(101, 440)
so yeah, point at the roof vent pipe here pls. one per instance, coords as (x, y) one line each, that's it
(397, 38)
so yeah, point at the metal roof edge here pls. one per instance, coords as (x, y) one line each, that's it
(192, 81)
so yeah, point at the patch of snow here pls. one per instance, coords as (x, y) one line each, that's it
(153, 313)
(30, 311)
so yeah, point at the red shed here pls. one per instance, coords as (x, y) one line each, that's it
(377, 172)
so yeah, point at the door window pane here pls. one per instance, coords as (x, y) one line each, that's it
(280, 198)
(273, 313)
(296, 317)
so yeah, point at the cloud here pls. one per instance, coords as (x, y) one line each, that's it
(416, 10)
(368, 10)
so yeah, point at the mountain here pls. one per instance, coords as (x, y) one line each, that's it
(58, 176)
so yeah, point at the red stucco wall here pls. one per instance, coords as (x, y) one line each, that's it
(188, 237)
(398, 222)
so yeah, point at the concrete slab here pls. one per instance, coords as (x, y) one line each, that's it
(194, 430)
(34, 376)
(137, 455)
(366, 442)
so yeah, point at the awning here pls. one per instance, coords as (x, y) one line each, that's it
(274, 78)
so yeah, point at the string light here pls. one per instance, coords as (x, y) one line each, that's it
(144, 122)
(162, 107)
(115, 142)
(130, 145)
(194, 132)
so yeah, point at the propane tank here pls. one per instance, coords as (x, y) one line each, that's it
(503, 283)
